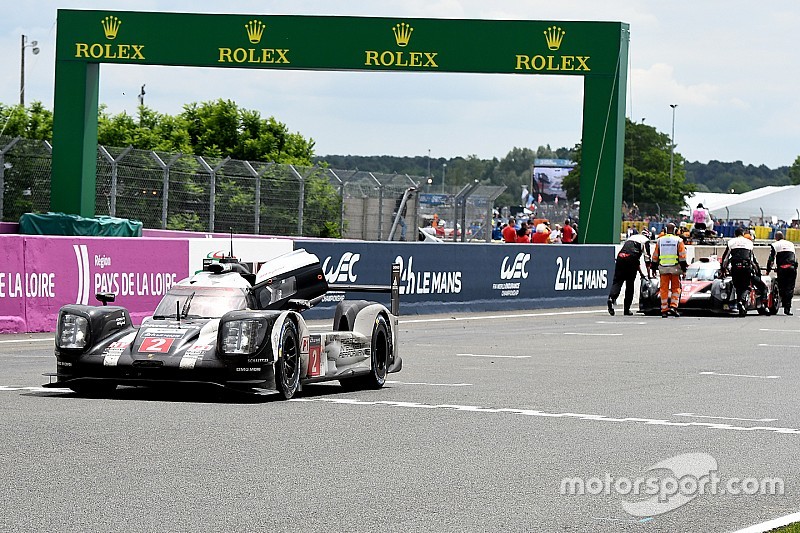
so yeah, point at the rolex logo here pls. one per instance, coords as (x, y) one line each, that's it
(255, 29)
(111, 26)
(554, 35)
(402, 33)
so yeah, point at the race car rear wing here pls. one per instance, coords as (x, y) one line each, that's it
(393, 289)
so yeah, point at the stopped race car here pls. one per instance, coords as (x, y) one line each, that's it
(227, 327)
(702, 289)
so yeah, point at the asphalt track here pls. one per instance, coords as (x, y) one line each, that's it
(488, 416)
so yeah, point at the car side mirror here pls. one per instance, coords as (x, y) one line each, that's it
(105, 297)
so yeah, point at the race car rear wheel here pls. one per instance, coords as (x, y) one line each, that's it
(774, 299)
(287, 365)
(380, 352)
(381, 349)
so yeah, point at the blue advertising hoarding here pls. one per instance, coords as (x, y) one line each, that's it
(468, 277)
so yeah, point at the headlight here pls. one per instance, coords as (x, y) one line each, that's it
(242, 336)
(73, 330)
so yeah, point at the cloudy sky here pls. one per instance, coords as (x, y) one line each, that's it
(732, 67)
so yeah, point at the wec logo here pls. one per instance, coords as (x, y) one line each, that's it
(517, 269)
(343, 272)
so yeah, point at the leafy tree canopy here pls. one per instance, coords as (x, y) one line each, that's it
(33, 122)
(646, 170)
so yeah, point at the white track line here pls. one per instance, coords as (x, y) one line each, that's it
(430, 384)
(783, 330)
(497, 317)
(738, 375)
(49, 339)
(5, 388)
(692, 415)
(593, 334)
(771, 524)
(779, 345)
(621, 322)
(493, 356)
(543, 414)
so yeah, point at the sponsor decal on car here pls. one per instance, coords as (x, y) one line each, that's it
(314, 355)
(155, 345)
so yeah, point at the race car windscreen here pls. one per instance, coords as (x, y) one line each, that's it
(702, 271)
(200, 302)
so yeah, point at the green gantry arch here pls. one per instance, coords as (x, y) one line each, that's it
(598, 51)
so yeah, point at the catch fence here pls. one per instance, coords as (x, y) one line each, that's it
(195, 193)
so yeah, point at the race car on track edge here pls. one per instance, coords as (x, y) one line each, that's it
(702, 289)
(226, 327)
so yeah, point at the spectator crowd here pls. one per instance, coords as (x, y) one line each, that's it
(536, 231)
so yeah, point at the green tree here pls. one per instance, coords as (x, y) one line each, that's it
(215, 130)
(33, 122)
(646, 170)
(26, 183)
(794, 172)
(222, 129)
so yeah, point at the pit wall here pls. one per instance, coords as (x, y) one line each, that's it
(40, 274)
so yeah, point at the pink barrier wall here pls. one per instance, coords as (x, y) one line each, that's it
(12, 275)
(39, 274)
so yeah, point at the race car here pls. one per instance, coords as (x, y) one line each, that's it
(702, 289)
(226, 327)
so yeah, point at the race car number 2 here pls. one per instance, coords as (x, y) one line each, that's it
(155, 345)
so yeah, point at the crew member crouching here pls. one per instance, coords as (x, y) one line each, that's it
(627, 265)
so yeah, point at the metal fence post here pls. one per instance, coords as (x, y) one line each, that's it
(212, 172)
(380, 205)
(257, 175)
(114, 161)
(302, 195)
(341, 201)
(3, 152)
(165, 187)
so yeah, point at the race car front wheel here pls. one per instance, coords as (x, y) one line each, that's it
(287, 366)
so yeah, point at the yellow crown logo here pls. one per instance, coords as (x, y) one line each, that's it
(255, 29)
(402, 33)
(111, 26)
(554, 35)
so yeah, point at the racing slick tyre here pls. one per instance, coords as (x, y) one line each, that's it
(380, 351)
(287, 366)
(775, 299)
(741, 303)
(93, 389)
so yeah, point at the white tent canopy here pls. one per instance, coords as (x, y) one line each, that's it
(783, 203)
